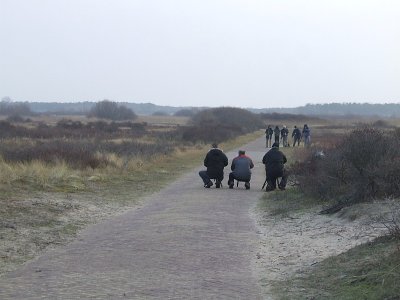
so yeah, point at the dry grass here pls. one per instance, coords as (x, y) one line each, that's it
(369, 271)
(163, 120)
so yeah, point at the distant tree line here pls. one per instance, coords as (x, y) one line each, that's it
(329, 109)
(10, 108)
(339, 109)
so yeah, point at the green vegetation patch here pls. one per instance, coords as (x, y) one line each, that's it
(283, 203)
(369, 271)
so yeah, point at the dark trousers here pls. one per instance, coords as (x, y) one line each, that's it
(272, 178)
(206, 178)
(296, 140)
(268, 141)
(232, 178)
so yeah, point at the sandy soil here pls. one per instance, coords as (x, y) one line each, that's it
(290, 245)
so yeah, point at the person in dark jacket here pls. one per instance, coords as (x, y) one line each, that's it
(268, 136)
(296, 135)
(284, 135)
(306, 136)
(240, 167)
(215, 161)
(277, 132)
(274, 161)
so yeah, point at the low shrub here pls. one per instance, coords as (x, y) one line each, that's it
(15, 119)
(111, 110)
(220, 124)
(363, 166)
(78, 154)
(73, 129)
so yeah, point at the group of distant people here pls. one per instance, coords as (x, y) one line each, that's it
(241, 166)
(283, 134)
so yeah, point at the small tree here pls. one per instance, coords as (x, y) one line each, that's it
(111, 110)
(220, 124)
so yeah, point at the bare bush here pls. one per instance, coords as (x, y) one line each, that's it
(111, 110)
(74, 129)
(79, 154)
(220, 124)
(76, 154)
(15, 119)
(363, 166)
(392, 224)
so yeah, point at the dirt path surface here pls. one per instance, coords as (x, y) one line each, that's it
(185, 242)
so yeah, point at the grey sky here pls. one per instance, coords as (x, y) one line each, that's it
(246, 53)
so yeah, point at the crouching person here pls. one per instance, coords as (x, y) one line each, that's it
(240, 167)
(215, 161)
(274, 161)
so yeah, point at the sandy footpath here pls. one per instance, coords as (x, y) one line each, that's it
(184, 242)
(188, 242)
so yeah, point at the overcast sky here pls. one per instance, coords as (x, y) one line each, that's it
(244, 53)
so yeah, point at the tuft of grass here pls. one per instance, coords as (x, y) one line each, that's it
(283, 203)
(369, 271)
(37, 175)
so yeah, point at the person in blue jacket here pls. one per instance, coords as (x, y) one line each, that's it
(240, 167)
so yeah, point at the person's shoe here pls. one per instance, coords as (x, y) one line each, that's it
(208, 185)
(218, 184)
(247, 185)
(282, 188)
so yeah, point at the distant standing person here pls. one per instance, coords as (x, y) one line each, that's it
(296, 136)
(268, 136)
(215, 161)
(284, 135)
(277, 132)
(306, 135)
(240, 167)
(274, 161)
